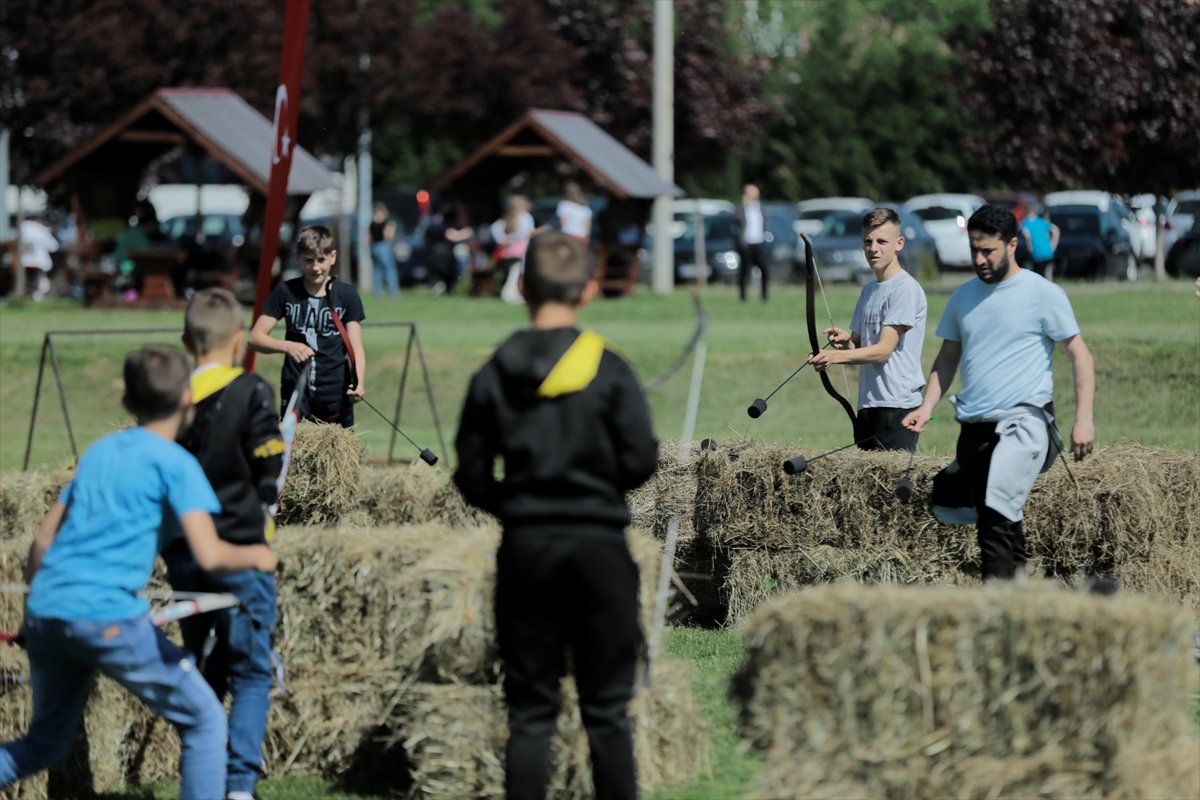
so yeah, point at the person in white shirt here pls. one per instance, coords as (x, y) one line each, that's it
(37, 243)
(885, 339)
(752, 224)
(511, 234)
(574, 216)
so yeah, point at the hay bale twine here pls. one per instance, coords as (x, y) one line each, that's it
(1005, 691)
(324, 476)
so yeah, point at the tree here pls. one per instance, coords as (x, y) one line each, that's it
(870, 107)
(1096, 93)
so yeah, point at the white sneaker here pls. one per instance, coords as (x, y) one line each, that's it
(240, 796)
(437, 288)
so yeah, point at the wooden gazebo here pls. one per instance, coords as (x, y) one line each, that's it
(548, 143)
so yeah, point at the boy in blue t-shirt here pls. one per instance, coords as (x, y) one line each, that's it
(132, 493)
(1001, 328)
(1041, 237)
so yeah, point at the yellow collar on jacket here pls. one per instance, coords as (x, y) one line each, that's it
(209, 380)
(577, 368)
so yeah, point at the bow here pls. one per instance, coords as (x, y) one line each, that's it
(697, 335)
(810, 279)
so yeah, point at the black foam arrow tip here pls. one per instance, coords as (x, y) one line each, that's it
(794, 466)
(904, 490)
(757, 409)
(428, 457)
(708, 444)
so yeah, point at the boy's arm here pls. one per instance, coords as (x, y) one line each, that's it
(476, 448)
(940, 377)
(264, 445)
(44, 538)
(262, 342)
(632, 431)
(354, 331)
(215, 555)
(1055, 233)
(878, 353)
(1083, 432)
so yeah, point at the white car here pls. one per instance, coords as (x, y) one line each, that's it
(1141, 237)
(945, 217)
(812, 213)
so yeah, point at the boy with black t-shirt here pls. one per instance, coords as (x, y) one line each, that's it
(322, 318)
(235, 437)
(571, 423)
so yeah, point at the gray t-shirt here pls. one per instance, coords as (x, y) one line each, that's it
(899, 300)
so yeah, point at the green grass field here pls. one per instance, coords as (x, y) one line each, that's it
(1145, 338)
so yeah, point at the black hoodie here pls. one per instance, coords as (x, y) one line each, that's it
(570, 421)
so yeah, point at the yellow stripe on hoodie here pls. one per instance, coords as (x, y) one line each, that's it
(577, 368)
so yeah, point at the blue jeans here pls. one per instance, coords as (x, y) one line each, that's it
(240, 663)
(384, 262)
(62, 656)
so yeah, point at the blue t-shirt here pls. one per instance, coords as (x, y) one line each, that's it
(1008, 331)
(1039, 237)
(123, 505)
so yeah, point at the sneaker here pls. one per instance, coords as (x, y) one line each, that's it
(437, 288)
(241, 796)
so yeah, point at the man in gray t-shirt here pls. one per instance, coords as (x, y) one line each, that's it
(885, 339)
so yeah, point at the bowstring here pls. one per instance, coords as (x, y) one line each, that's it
(829, 313)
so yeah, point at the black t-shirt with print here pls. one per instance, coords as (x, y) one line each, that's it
(308, 320)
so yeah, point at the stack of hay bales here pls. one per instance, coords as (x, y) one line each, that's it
(1006, 691)
(386, 631)
(758, 532)
(25, 497)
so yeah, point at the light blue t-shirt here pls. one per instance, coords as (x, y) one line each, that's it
(1008, 331)
(124, 504)
(900, 300)
(1039, 237)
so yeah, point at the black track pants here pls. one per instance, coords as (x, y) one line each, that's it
(555, 589)
(1001, 541)
(884, 425)
(752, 255)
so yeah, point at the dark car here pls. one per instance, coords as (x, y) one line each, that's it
(838, 248)
(720, 247)
(1092, 244)
(1184, 256)
(783, 247)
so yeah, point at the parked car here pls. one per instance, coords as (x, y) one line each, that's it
(919, 245)
(1184, 256)
(1142, 242)
(811, 214)
(720, 246)
(838, 248)
(1092, 243)
(1181, 216)
(785, 250)
(945, 217)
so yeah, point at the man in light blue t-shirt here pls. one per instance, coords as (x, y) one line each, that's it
(885, 338)
(1041, 237)
(1001, 328)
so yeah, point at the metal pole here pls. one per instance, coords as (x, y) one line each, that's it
(400, 395)
(664, 143)
(701, 253)
(37, 395)
(365, 276)
(347, 198)
(62, 396)
(4, 210)
(437, 423)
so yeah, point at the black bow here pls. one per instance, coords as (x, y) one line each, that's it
(810, 278)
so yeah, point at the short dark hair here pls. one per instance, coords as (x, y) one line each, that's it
(212, 318)
(155, 379)
(556, 269)
(315, 239)
(879, 216)
(994, 220)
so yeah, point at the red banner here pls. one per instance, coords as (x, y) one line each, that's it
(287, 110)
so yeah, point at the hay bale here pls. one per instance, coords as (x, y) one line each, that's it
(400, 496)
(25, 497)
(1007, 691)
(324, 476)
(1134, 516)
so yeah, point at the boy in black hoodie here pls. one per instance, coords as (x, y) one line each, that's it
(571, 423)
(235, 437)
